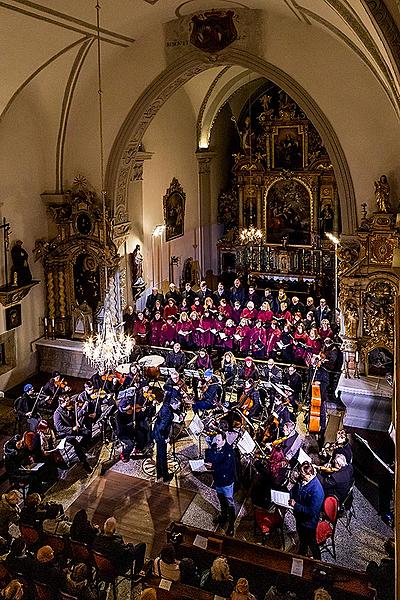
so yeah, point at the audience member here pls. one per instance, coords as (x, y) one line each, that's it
(56, 523)
(382, 576)
(242, 591)
(110, 544)
(77, 583)
(45, 570)
(166, 565)
(81, 528)
(9, 511)
(189, 572)
(13, 591)
(218, 579)
(19, 560)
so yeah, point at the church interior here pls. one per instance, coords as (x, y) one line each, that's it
(199, 344)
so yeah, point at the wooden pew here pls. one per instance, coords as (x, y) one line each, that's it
(263, 562)
(178, 591)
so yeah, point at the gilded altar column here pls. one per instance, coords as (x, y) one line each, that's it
(204, 205)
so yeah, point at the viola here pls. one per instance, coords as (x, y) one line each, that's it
(270, 427)
(62, 385)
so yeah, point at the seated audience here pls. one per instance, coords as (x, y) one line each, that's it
(56, 523)
(218, 579)
(81, 528)
(9, 511)
(13, 591)
(34, 511)
(242, 591)
(382, 576)
(112, 546)
(166, 565)
(4, 549)
(19, 560)
(77, 583)
(45, 570)
(189, 572)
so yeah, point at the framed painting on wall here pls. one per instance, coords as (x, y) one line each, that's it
(288, 151)
(288, 212)
(174, 211)
(13, 317)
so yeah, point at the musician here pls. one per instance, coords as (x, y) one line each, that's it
(227, 335)
(253, 297)
(140, 329)
(202, 363)
(145, 411)
(210, 392)
(168, 333)
(221, 459)
(338, 479)
(249, 401)
(318, 372)
(89, 402)
(52, 390)
(229, 369)
(205, 326)
(341, 446)
(236, 312)
(291, 442)
(225, 309)
(156, 324)
(307, 496)
(105, 381)
(50, 456)
(151, 300)
(124, 423)
(23, 408)
(285, 344)
(271, 474)
(66, 426)
(161, 433)
(242, 336)
(273, 337)
(293, 379)
(175, 387)
(281, 412)
(300, 343)
(258, 340)
(176, 359)
(272, 372)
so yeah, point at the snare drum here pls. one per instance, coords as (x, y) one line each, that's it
(151, 365)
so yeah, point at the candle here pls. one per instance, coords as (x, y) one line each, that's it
(357, 356)
(52, 323)
(45, 321)
(90, 326)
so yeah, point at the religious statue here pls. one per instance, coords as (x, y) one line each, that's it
(20, 271)
(382, 191)
(247, 137)
(137, 266)
(351, 320)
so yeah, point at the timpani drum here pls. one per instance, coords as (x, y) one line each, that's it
(151, 365)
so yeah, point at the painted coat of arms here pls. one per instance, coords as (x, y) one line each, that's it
(213, 31)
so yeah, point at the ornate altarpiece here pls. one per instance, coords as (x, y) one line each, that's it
(75, 260)
(283, 184)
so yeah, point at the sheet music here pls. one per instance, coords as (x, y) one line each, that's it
(246, 443)
(165, 584)
(297, 567)
(197, 466)
(196, 426)
(280, 498)
(303, 457)
(200, 541)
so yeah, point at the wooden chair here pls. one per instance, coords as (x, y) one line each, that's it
(81, 553)
(30, 535)
(108, 573)
(58, 543)
(42, 591)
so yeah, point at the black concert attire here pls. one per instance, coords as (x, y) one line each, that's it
(53, 392)
(209, 397)
(161, 432)
(285, 345)
(283, 414)
(175, 295)
(298, 307)
(322, 312)
(151, 301)
(224, 472)
(202, 363)
(145, 412)
(338, 483)
(229, 373)
(204, 293)
(237, 294)
(23, 405)
(309, 498)
(346, 450)
(295, 382)
(217, 297)
(251, 397)
(189, 296)
(64, 423)
(125, 426)
(176, 360)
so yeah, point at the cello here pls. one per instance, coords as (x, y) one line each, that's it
(314, 424)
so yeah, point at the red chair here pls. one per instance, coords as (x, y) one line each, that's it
(81, 553)
(30, 535)
(108, 573)
(326, 527)
(268, 522)
(5, 576)
(58, 543)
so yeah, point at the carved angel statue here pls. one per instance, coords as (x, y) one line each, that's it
(137, 266)
(382, 192)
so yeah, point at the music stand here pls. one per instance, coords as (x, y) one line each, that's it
(192, 373)
(196, 428)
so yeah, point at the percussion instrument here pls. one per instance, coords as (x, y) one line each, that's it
(123, 369)
(151, 365)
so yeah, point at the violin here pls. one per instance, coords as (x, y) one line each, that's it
(270, 428)
(120, 376)
(108, 376)
(246, 403)
(62, 385)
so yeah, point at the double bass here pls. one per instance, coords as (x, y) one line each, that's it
(315, 408)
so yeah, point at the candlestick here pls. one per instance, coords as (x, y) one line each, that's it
(45, 321)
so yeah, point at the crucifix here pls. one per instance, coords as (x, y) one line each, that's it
(6, 245)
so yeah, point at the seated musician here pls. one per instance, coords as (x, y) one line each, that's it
(249, 401)
(291, 442)
(338, 479)
(271, 474)
(110, 544)
(281, 412)
(145, 411)
(175, 387)
(105, 381)
(125, 426)
(52, 390)
(176, 359)
(23, 407)
(273, 376)
(341, 446)
(50, 456)
(202, 363)
(66, 426)
(210, 392)
(293, 379)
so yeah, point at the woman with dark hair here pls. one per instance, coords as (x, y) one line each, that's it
(166, 565)
(189, 573)
(81, 528)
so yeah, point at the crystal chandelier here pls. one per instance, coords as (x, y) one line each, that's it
(107, 349)
(251, 235)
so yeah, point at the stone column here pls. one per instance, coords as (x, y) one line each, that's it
(204, 160)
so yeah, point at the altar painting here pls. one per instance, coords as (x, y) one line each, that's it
(288, 213)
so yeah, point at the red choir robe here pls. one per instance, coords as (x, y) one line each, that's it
(273, 337)
(155, 332)
(250, 315)
(206, 324)
(140, 331)
(258, 340)
(168, 334)
(229, 339)
(265, 316)
(242, 338)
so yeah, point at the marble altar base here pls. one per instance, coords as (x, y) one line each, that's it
(368, 403)
(65, 356)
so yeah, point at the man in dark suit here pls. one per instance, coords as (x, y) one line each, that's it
(339, 482)
(204, 292)
(323, 312)
(152, 298)
(161, 433)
